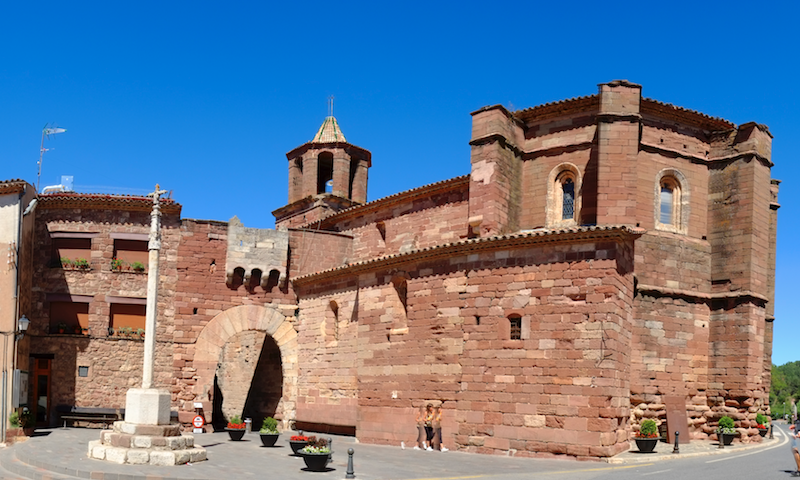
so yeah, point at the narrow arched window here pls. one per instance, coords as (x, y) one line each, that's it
(567, 199)
(672, 201)
(667, 198)
(563, 196)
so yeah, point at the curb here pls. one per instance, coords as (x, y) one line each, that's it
(707, 451)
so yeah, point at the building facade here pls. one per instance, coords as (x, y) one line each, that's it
(604, 257)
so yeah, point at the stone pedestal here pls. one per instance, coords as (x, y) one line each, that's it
(147, 406)
(134, 444)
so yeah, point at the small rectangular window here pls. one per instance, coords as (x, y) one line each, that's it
(516, 328)
(83, 371)
(131, 251)
(71, 249)
(128, 316)
(68, 317)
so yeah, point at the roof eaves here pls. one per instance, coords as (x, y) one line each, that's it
(475, 245)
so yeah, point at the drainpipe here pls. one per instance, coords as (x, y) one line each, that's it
(4, 391)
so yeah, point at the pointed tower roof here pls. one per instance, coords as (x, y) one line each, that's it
(329, 132)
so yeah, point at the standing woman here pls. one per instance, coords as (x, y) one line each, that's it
(437, 430)
(420, 422)
(429, 417)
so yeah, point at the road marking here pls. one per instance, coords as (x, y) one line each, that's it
(783, 442)
(659, 471)
(558, 472)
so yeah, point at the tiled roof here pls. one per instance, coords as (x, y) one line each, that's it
(684, 115)
(12, 186)
(329, 132)
(476, 245)
(561, 107)
(105, 201)
(375, 204)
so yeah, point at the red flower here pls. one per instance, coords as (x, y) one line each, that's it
(239, 426)
(299, 438)
(647, 435)
(761, 426)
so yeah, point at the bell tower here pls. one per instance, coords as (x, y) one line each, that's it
(326, 175)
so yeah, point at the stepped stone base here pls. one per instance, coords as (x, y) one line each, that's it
(134, 444)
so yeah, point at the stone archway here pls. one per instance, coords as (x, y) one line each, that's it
(210, 343)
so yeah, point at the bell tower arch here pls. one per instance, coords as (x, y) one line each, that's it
(326, 175)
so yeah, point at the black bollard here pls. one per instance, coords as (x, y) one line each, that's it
(770, 432)
(350, 472)
(676, 449)
(330, 447)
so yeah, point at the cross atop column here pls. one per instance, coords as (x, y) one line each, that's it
(156, 194)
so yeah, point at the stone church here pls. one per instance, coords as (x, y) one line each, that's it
(604, 255)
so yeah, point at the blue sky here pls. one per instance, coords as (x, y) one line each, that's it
(206, 98)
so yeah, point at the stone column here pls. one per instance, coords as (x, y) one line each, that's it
(148, 405)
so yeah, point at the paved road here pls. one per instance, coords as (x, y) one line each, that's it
(61, 454)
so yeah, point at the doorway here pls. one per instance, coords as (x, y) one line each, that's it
(41, 391)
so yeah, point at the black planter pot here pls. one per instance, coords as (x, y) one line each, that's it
(727, 438)
(269, 439)
(763, 431)
(236, 434)
(297, 445)
(316, 462)
(647, 445)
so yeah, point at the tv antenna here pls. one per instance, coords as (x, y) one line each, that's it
(46, 132)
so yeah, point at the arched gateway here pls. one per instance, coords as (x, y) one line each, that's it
(211, 342)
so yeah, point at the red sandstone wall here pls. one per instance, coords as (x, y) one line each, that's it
(561, 389)
(328, 346)
(318, 250)
(202, 294)
(420, 223)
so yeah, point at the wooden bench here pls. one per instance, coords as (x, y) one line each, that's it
(106, 416)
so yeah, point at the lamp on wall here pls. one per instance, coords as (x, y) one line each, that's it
(22, 327)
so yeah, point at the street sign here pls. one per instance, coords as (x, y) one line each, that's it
(197, 421)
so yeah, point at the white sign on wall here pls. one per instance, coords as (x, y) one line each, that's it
(19, 393)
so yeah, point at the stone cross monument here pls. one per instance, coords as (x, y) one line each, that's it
(148, 405)
(146, 436)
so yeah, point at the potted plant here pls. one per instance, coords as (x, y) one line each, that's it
(117, 264)
(61, 327)
(647, 437)
(236, 428)
(297, 442)
(137, 267)
(316, 454)
(66, 263)
(21, 420)
(27, 421)
(82, 264)
(763, 424)
(269, 432)
(725, 430)
(140, 332)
